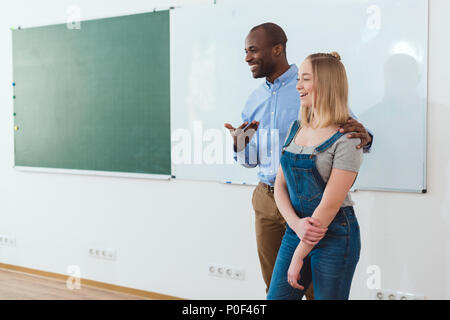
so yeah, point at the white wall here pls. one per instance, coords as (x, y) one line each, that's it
(166, 233)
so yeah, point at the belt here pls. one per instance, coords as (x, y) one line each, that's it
(267, 187)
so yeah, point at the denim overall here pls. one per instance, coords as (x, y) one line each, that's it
(331, 263)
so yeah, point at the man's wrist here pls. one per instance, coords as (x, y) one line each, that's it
(370, 140)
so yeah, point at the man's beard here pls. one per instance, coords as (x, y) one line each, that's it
(265, 70)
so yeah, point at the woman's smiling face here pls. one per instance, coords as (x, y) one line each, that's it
(305, 83)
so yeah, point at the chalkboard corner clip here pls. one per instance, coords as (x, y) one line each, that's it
(424, 190)
(173, 177)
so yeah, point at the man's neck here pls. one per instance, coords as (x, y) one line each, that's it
(280, 71)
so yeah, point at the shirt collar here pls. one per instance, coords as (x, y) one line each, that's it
(284, 78)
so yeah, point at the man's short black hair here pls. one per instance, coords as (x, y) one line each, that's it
(275, 34)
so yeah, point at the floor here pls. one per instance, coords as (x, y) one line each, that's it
(22, 286)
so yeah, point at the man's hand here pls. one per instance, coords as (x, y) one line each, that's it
(243, 134)
(309, 230)
(354, 126)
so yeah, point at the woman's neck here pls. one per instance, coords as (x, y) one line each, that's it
(314, 125)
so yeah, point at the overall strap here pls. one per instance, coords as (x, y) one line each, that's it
(292, 133)
(324, 146)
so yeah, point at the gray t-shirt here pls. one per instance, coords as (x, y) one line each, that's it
(341, 155)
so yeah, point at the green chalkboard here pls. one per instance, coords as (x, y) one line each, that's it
(94, 98)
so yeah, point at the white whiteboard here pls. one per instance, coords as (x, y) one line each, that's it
(383, 44)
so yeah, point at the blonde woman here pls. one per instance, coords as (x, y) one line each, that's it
(319, 165)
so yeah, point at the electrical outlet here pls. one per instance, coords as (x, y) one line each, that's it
(227, 272)
(384, 294)
(410, 296)
(7, 241)
(103, 253)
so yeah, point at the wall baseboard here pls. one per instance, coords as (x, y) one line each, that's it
(91, 283)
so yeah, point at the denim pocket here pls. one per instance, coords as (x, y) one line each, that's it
(339, 228)
(306, 184)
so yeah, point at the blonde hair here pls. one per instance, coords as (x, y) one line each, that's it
(330, 100)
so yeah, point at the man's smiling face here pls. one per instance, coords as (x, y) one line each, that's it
(258, 52)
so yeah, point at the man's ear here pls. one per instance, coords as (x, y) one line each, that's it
(277, 50)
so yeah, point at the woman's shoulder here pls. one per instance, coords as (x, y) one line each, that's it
(345, 142)
(345, 147)
(346, 155)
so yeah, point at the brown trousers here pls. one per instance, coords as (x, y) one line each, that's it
(270, 227)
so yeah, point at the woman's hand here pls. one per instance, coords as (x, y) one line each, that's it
(309, 230)
(294, 272)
